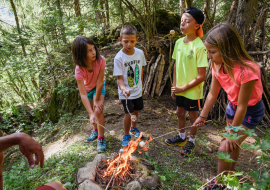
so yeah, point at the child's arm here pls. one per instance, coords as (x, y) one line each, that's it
(99, 104)
(122, 86)
(199, 79)
(174, 83)
(243, 98)
(85, 101)
(209, 102)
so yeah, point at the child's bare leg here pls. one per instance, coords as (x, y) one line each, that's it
(134, 123)
(193, 115)
(100, 118)
(127, 123)
(181, 114)
(228, 166)
(92, 106)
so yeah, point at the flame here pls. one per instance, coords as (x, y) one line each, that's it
(124, 160)
(146, 148)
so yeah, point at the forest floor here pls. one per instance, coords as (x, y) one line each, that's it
(66, 149)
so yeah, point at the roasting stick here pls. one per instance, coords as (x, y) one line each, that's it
(112, 132)
(133, 117)
(121, 151)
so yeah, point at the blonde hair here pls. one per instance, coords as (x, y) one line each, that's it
(231, 47)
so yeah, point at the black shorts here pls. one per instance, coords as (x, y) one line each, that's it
(133, 105)
(188, 104)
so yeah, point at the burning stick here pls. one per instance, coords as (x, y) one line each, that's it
(121, 151)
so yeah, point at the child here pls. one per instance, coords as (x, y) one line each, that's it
(89, 73)
(239, 75)
(189, 73)
(128, 68)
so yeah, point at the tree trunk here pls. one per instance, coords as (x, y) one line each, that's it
(107, 14)
(232, 16)
(182, 6)
(63, 33)
(189, 3)
(98, 15)
(103, 14)
(18, 26)
(122, 14)
(78, 14)
(245, 16)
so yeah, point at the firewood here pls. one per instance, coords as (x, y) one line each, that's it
(151, 76)
(164, 82)
(160, 74)
(147, 71)
(155, 81)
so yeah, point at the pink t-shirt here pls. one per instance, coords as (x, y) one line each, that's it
(240, 77)
(90, 78)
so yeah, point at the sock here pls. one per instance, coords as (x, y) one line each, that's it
(95, 130)
(192, 140)
(99, 137)
(182, 135)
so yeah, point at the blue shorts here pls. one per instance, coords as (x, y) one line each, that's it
(253, 116)
(93, 92)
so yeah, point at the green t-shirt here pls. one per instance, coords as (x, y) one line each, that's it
(189, 56)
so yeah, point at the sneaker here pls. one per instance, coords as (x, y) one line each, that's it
(176, 141)
(101, 145)
(215, 185)
(188, 148)
(135, 131)
(126, 140)
(93, 136)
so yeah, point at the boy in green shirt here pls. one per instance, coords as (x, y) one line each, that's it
(189, 73)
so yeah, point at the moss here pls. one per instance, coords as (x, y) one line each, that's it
(53, 112)
(166, 21)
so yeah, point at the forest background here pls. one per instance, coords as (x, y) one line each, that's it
(38, 90)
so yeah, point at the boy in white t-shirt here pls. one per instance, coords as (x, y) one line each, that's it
(128, 68)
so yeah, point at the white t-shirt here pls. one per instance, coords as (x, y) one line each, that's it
(130, 67)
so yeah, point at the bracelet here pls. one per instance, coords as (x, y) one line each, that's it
(204, 118)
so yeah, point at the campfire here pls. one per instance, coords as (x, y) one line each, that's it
(119, 170)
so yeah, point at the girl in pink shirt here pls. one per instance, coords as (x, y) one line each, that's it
(89, 73)
(239, 75)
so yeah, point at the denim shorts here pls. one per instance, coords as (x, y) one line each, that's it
(253, 116)
(91, 94)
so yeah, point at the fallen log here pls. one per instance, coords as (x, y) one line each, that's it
(160, 74)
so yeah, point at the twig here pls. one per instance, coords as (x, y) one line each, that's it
(120, 154)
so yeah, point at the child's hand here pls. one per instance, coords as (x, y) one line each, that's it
(173, 95)
(126, 93)
(99, 106)
(199, 122)
(93, 119)
(177, 89)
(230, 144)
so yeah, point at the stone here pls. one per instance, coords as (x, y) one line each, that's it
(89, 185)
(150, 182)
(134, 185)
(89, 171)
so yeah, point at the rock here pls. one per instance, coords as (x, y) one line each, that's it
(150, 182)
(89, 171)
(134, 185)
(89, 185)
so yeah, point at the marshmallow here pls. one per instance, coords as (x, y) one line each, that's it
(112, 132)
(133, 118)
(121, 151)
(142, 144)
(172, 32)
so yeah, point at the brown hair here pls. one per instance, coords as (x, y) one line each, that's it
(128, 30)
(231, 47)
(79, 50)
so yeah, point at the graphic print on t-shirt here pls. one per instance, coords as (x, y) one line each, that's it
(130, 74)
(137, 71)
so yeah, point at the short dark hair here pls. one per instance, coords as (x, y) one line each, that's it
(196, 13)
(79, 50)
(128, 30)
